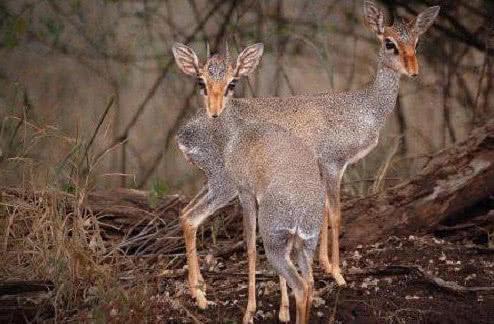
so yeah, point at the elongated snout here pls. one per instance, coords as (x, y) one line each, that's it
(215, 105)
(410, 62)
(413, 66)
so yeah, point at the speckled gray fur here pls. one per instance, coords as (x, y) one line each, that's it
(281, 172)
(216, 67)
(221, 143)
(265, 163)
(338, 128)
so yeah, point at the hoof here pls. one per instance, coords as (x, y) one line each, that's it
(202, 283)
(248, 318)
(340, 281)
(284, 315)
(201, 300)
(250, 312)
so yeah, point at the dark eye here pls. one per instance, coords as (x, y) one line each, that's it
(202, 86)
(389, 44)
(230, 87)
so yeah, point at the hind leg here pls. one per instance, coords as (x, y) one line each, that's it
(332, 176)
(323, 245)
(284, 315)
(335, 222)
(279, 257)
(304, 260)
(249, 212)
(195, 213)
(191, 211)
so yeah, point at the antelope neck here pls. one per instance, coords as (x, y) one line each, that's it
(384, 90)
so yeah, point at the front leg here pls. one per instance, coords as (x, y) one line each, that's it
(323, 242)
(335, 223)
(332, 177)
(249, 212)
(284, 315)
(194, 214)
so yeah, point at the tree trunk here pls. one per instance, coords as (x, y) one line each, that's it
(455, 180)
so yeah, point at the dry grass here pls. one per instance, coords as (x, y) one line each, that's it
(51, 236)
(45, 240)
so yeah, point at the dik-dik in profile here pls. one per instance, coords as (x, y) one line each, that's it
(275, 176)
(340, 128)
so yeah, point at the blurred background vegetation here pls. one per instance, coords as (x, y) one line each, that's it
(90, 94)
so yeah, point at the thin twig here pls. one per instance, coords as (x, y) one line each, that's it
(333, 313)
(96, 130)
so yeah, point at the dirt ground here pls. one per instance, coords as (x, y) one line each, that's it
(377, 292)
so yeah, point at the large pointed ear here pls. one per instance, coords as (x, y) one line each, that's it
(425, 19)
(374, 17)
(186, 59)
(248, 60)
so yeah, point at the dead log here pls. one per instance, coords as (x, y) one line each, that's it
(454, 180)
(25, 301)
(137, 222)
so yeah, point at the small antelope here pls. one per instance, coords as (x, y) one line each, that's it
(339, 128)
(275, 176)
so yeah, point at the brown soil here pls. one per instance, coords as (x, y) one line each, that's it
(368, 298)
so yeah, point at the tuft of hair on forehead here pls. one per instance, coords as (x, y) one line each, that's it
(403, 29)
(217, 67)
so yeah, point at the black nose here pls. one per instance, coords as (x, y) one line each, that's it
(214, 116)
(414, 75)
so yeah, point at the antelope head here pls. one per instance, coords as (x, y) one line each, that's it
(218, 76)
(399, 40)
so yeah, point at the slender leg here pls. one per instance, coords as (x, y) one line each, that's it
(278, 253)
(196, 282)
(310, 294)
(304, 257)
(284, 315)
(323, 245)
(335, 221)
(203, 207)
(196, 204)
(332, 175)
(301, 303)
(249, 212)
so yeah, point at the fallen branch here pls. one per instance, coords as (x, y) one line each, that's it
(22, 301)
(237, 247)
(420, 272)
(455, 179)
(24, 287)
